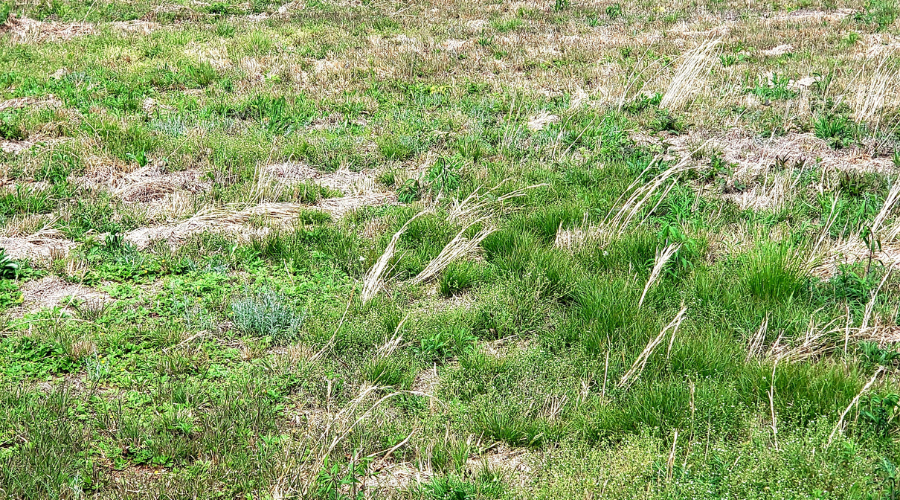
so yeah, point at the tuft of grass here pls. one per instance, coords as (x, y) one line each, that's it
(776, 272)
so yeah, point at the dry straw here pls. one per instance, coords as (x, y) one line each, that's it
(617, 222)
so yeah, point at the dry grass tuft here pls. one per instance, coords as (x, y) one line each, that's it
(458, 247)
(695, 64)
(25, 30)
(372, 282)
(880, 90)
(618, 221)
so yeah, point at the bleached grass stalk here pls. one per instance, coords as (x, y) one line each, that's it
(481, 202)
(661, 259)
(889, 202)
(635, 371)
(670, 464)
(458, 247)
(617, 222)
(840, 424)
(694, 65)
(872, 91)
(372, 282)
(393, 343)
(870, 306)
(772, 405)
(756, 341)
(819, 248)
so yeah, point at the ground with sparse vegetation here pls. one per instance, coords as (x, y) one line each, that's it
(449, 250)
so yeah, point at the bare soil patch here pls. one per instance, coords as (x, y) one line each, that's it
(53, 291)
(25, 30)
(754, 155)
(30, 102)
(42, 247)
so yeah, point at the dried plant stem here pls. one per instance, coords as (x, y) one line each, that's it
(372, 282)
(855, 400)
(661, 259)
(641, 361)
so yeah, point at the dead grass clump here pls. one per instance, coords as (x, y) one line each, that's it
(753, 156)
(459, 247)
(635, 371)
(372, 282)
(344, 180)
(772, 193)
(619, 220)
(852, 250)
(138, 26)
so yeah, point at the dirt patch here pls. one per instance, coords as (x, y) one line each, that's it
(25, 30)
(253, 222)
(427, 381)
(347, 182)
(136, 26)
(53, 291)
(518, 462)
(754, 155)
(851, 251)
(42, 247)
(30, 102)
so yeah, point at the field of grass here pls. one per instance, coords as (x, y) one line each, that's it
(449, 249)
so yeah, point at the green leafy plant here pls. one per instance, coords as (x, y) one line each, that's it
(879, 412)
(877, 356)
(881, 13)
(10, 127)
(334, 478)
(837, 129)
(409, 191)
(890, 476)
(614, 11)
(267, 313)
(664, 121)
(775, 88)
(9, 268)
(643, 102)
(851, 286)
(446, 342)
(443, 176)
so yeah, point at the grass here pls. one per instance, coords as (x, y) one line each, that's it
(354, 250)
